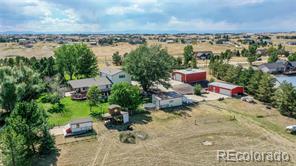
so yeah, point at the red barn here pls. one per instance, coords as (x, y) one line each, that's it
(226, 89)
(189, 75)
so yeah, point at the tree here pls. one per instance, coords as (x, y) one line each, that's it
(149, 65)
(66, 59)
(188, 54)
(94, 96)
(30, 124)
(273, 57)
(251, 58)
(266, 89)
(253, 85)
(125, 95)
(13, 148)
(285, 99)
(117, 60)
(197, 89)
(193, 63)
(27, 82)
(87, 62)
(292, 57)
(7, 96)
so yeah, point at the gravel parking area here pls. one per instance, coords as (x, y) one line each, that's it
(206, 97)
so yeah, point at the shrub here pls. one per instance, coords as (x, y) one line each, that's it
(50, 98)
(127, 137)
(197, 89)
(57, 108)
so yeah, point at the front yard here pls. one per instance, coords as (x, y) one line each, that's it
(73, 110)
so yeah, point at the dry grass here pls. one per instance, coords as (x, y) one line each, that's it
(175, 139)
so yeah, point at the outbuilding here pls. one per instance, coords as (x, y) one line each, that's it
(189, 75)
(79, 126)
(167, 99)
(226, 88)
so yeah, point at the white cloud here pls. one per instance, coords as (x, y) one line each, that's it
(241, 2)
(121, 10)
(200, 25)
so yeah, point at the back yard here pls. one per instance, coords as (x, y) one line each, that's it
(177, 138)
(73, 110)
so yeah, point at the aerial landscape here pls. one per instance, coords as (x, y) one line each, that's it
(147, 82)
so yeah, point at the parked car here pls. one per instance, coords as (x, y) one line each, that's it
(291, 128)
(248, 99)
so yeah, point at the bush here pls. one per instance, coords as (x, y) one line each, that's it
(197, 89)
(57, 108)
(127, 137)
(50, 98)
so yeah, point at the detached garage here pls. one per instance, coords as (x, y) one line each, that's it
(226, 88)
(189, 75)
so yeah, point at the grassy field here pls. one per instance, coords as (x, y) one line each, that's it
(73, 110)
(176, 138)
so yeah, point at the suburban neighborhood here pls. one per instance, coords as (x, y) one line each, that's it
(147, 83)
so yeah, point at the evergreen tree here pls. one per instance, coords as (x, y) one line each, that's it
(188, 54)
(266, 89)
(285, 99)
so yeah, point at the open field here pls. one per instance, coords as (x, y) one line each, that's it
(175, 138)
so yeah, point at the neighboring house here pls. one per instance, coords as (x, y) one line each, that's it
(226, 88)
(203, 54)
(262, 52)
(279, 66)
(167, 99)
(81, 86)
(115, 75)
(78, 127)
(189, 75)
(292, 43)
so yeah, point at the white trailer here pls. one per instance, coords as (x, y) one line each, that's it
(79, 126)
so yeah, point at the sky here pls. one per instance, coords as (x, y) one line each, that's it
(147, 16)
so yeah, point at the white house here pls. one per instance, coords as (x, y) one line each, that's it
(115, 75)
(167, 99)
(78, 127)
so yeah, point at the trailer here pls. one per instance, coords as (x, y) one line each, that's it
(77, 127)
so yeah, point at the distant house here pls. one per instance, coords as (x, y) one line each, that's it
(279, 66)
(115, 75)
(262, 52)
(226, 88)
(81, 86)
(189, 75)
(167, 99)
(203, 54)
(292, 43)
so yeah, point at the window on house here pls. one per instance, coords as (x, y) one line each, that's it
(122, 76)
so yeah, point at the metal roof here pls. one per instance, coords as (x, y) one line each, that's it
(224, 85)
(78, 121)
(110, 71)
(168, 95)
(190, 71)
(88, 82)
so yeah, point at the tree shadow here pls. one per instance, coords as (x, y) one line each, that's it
(144, 117)
(47, 160)
(182, 111)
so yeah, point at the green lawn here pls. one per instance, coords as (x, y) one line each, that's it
(73, 110)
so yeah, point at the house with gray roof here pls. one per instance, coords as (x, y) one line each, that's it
(115, 75)
(203, 54)
(277, 67)
(81, 86)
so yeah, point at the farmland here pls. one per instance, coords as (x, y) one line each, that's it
(176, 138)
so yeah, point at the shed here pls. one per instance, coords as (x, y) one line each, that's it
(189, 75)
(226, 88)
(79, 126)
(167, 99)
